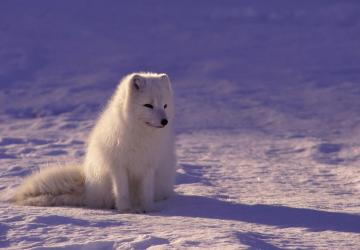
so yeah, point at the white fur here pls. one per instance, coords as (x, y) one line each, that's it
(52, 186)
(130, 159)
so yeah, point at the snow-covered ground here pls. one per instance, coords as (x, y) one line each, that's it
(268, 119)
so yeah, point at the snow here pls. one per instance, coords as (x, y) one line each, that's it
(268, 119)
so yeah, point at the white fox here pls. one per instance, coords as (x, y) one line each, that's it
(130, 158)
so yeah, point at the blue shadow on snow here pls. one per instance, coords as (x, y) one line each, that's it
(272, 215)
(255, 241)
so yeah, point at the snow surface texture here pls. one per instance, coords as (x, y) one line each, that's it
(268, 119)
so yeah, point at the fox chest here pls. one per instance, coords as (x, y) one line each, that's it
(136, 157)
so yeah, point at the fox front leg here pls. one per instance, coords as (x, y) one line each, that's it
(121, 190)
(146, 194)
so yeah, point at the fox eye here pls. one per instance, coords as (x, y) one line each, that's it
(149, 106)
(165, 106)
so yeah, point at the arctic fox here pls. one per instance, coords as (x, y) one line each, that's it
(130, 158)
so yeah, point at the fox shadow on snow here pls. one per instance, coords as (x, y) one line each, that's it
(272, 215)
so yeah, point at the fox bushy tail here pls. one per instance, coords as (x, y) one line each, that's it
(53, 186)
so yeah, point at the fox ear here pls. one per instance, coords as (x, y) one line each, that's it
(165, 77)
(138, 82)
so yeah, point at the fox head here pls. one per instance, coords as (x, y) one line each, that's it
(150, 100)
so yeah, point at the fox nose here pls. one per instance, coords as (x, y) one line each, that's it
(164, 122)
